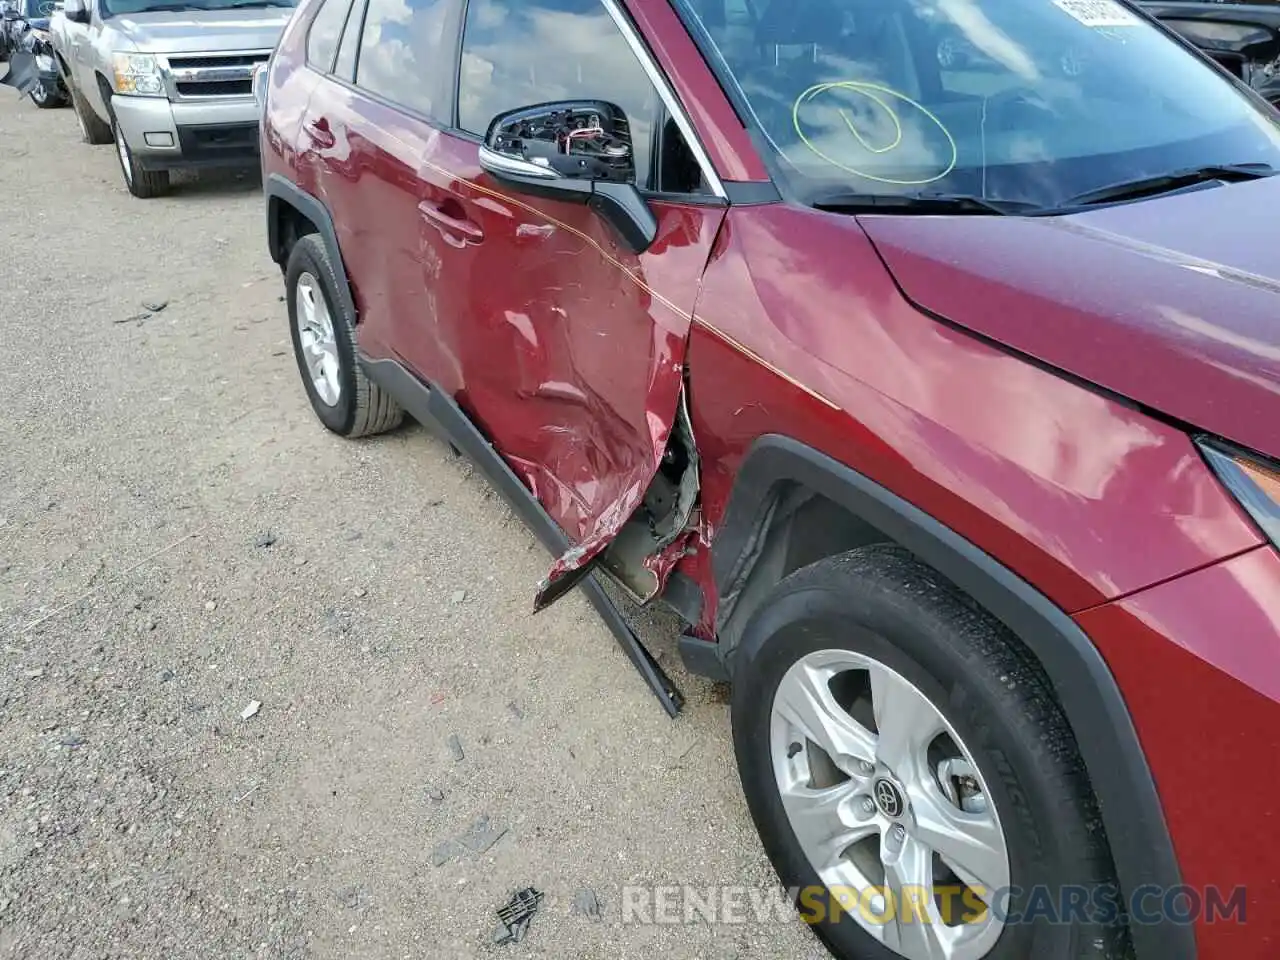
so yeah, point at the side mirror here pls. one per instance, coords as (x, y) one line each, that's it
(77, 11)
(578, 151)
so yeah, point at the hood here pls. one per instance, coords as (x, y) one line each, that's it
(201, 31)
(1172, 302)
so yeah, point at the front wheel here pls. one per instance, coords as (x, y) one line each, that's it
(144, 184)
(912, 778)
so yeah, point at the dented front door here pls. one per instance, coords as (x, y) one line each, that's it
(566, 348)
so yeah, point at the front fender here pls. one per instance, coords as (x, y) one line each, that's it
(98, 70)
(1087, 691)
(97, 93)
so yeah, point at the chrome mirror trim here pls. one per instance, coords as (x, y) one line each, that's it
(500, 164)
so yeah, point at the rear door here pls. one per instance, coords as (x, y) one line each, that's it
(565, 347)
(368, 125)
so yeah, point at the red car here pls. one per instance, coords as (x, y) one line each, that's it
(937, 395)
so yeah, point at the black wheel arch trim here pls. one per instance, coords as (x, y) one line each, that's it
(1094, 706)
(279, 190)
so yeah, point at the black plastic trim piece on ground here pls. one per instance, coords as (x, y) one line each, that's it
(278, 190)
(438, 412)
(702, 658)
(1092, 701)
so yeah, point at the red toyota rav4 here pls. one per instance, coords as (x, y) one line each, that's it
(936, 392)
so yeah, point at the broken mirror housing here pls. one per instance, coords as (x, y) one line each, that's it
(574, 151)
(581, 140)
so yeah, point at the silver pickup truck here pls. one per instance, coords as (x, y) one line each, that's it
(169, 82)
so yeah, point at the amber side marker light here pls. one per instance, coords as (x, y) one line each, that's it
(1252, 480)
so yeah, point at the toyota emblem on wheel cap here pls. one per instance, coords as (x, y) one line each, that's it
(888, 799)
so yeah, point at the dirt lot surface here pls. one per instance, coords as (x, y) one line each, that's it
(180, 537)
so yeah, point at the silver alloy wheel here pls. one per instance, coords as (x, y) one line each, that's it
(887, 802)
(39, 94)
(315, 334)
(123, 149)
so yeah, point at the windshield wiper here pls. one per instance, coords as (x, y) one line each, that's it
(923, 203)
(1165, 182)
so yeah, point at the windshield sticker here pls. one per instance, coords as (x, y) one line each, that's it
(1098, 13)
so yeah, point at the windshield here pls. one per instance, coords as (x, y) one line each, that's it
(1021, 100)
(123, 7)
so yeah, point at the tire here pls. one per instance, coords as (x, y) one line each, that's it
(143, 184)
(92, 130)
(344, 399)
(45, 98)
(1009, 755)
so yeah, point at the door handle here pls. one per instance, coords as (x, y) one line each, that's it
(448, 217)
(319, 132)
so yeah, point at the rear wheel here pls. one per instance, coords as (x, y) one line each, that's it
(911, 775)
(46, 96)
(324, 337)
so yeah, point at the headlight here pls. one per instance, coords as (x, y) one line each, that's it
(1253, 481)
(137, 73)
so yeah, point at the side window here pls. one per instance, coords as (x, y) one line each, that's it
(322, 36)
(345, 66)
(520, 52)
(403, 54)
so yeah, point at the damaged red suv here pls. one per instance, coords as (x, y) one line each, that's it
(922, 354)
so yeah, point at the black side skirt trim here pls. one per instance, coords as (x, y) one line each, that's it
(1090, 697)
(439, 413)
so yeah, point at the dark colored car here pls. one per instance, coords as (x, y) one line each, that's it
(24, 32)
(1243, 37)
(17, 16)
(937, 394)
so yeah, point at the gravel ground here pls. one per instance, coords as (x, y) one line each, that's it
(179, 536)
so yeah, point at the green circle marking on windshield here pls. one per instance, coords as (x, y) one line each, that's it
(879, 95)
